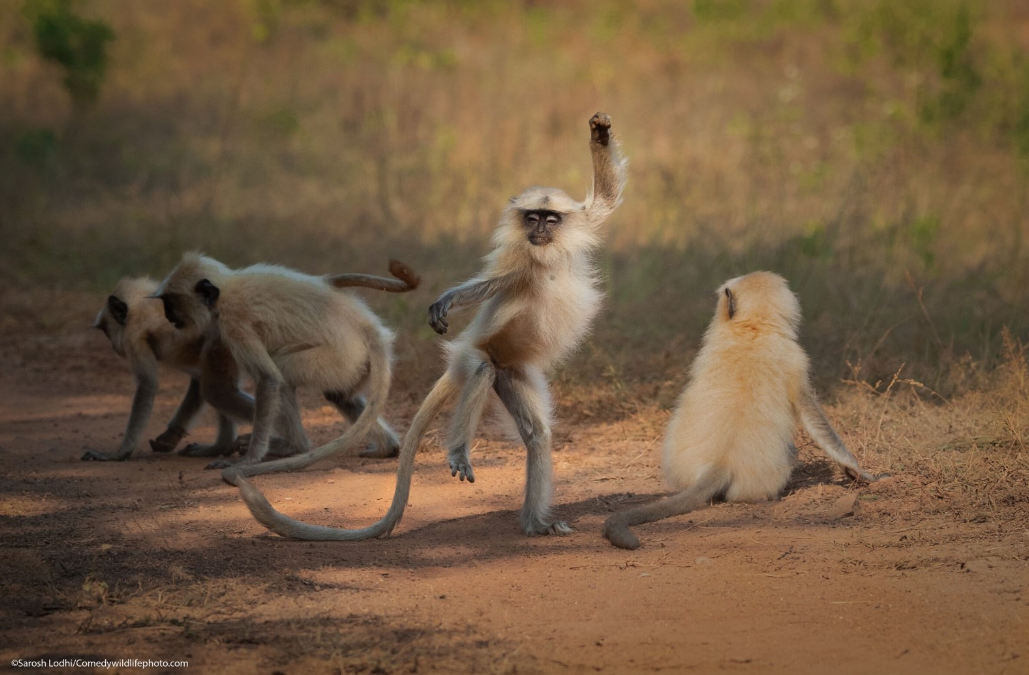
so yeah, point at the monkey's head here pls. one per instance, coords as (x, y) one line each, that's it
(190, 293)
(758, 300)
(121, 305)
(546, 223)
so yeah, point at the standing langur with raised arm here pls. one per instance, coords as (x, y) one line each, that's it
(286, 329)
(538, 294)
(134, 323)
(732, 432)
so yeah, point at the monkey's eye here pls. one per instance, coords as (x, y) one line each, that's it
(553, 220)
(532, 219)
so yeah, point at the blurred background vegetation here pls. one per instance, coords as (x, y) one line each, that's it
(875, 152)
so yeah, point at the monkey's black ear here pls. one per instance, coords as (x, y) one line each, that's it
(118, 309)
(207, 292)
(730, 302)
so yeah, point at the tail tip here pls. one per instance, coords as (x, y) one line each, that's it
(401, 271)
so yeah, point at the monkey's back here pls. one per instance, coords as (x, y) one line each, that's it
(736, 413)
(315, 334)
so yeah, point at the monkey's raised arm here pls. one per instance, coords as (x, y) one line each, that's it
(405, 279)
(609, 168)
(471, 292)
(817, 426)
(142, 405)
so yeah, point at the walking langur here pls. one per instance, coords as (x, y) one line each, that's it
(135, 325)
(285, 330)
(538, 294)
(732, 432)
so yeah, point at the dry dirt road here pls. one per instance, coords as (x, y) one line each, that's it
(156, 558)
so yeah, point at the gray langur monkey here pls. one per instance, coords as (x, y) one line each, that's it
(538, 294)
(732, 432)
(134, 324)
(285, 330)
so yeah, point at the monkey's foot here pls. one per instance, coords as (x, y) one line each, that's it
(277, 447)
(381, 450)
(535, 527)
(97, 456)
(225, 463)
(461, 463)
(862, 476)
(206, 450)
(168, 439)
(619, 534)
(600, 128)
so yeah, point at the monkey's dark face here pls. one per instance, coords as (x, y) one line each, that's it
(541, 225)
(173, 309)
(180, 309)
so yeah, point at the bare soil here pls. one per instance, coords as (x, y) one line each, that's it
(156, 558)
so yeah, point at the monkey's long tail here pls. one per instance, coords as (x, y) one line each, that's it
(616, 528)
(285, 526)
(406, 279)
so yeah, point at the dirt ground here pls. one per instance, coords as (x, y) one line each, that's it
(156, 558)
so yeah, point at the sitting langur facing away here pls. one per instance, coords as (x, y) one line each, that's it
(732, 433)
(538, 294)
(285, 330)
(134, 323)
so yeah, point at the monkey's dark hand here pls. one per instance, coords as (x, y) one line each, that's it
(97, 456)
(600, 128)
(168, 439)
(438, 314)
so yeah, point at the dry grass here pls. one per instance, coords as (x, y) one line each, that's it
(873, 152)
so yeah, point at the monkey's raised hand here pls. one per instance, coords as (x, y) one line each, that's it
(438, 314)
(168, 439)
(600, 128)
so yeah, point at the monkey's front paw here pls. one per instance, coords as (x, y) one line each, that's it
(223, 463)
(438, 315)
(619, 534)
(540, 527)
(241, 444)
(97, 456)
(461, 463)
(600, 128)
(167, 441)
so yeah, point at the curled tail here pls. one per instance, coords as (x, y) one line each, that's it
(285, 526)
(406, 279)
(616, 528)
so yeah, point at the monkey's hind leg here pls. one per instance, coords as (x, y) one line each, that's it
(383, 441)
(469, 409)
(529, 409)
(290, 424)
(616, 528)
